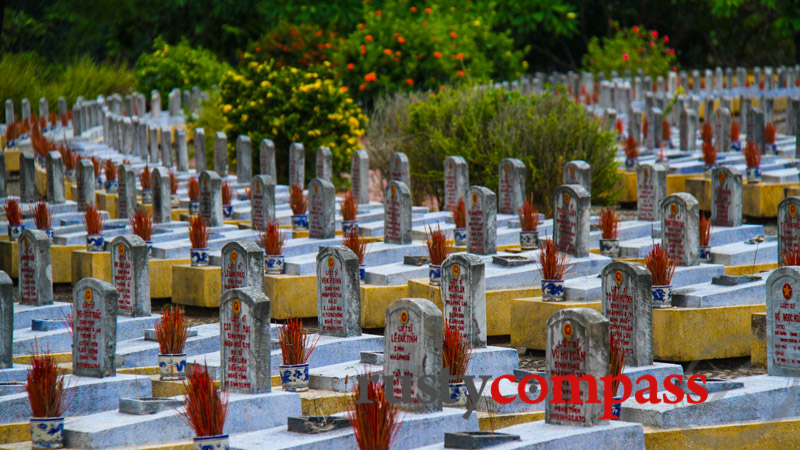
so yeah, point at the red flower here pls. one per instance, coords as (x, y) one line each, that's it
(409, 81)
(400, 40)
(343, 88)
(674, 69)
(368, 38)
(378, 12)
(652, 44)
(671, 51)
(441, 88)
(640, 49)
(666, 38)
(625, 56)
(654, 33)
(387, 51)
(635, 28)
(453, 35)
(361, 26)
(363, 49)
(428, 10)
(370, 77)
(437, 55)
(351, 66)
(460, 56)
(413, 9)
(328, 45)
(362, 87)
(319, 33)
(461, 73)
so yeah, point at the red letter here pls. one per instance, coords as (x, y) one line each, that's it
(523, 394)
(496, 396)
(574, 382)
(673, 388)
(608, 382)
(697, 389)
(652, 388)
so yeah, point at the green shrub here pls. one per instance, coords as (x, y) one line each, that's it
(630, 48)
(288, 105)
(181, 66)
(294, 45)
(407, 47)
(485, 126)
(22, 77)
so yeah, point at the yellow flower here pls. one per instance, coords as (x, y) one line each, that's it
(274, 131)
(253, 64)
(245, 117)
(252, 103)
(293, 70)
(349, 100)
(264, 84)
(227, 108)
(477, 23)
(269, 94)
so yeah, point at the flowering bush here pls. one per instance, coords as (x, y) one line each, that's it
(293, 45)
(405, 47)
(181, 66)
(630, 48)
(288, 105)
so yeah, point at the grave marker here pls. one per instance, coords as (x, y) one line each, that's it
(86, 183)
(464, 296)
(44, 109)
(262, 201)
(126, 200)
(680, 217)
(651, 188)
(244, 315)
(572, 214)
(199, 141)
(3, 188)
(726, 197)
(578, 172)
(359, 176)
(297, 165)
(627, 303)
(130, 274)
(27, 177)
(211, 198)
(155, 104)
(26, 109)
(94, 335)
(511, 185)
(162, 195)
(9, 111)
(577, 344)
(6, 321)
(397, 213)
(35, 271)
(412, 348)
(154, 153)
(267, 159)
(166, 147)
(456, 181)
(242, 266)
(141, 135)
(338, 292)
(399, 169)
(244, 158)
(181, 152)
(221, 154)
(722, 129)
(55, 178)
(481, 206)
(788, 226)
(321, 209)
(324, 164)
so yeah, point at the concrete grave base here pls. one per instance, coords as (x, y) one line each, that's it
(705, 295)
(762, 398)
(23, 314)
(18, 373)
(416, 430)
(141, 353)
(87, 396)
(114, 429)
(612, 435)
(638, 248)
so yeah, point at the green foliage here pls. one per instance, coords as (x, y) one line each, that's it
(630, 48)
(211, 120)
(408, 47)
(288, 105)
(341, 15)
(486, 126)
(294, 45)
(181, 66)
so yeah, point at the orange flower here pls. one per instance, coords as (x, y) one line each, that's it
(363, 49)
(441, 88)
(362, 87)
(343, 88)
(461, 73)
(424, 24)
(437, 55)
(370, 77)
(413, 9)
(328, 45)
(378, 12)
(387, 51)
(460, 56)
(428, 10)
(398, 53)
(453, 35)
(401, 40)
(409, 81)
(361, 26)
(351, 66)
(368, 38)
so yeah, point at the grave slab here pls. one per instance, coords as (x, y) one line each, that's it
(744, 253)
(141, 352)
(707, 294)
(638, 248)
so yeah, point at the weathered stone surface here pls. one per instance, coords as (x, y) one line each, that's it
(244, 159)
(55, 178)
(783, 324)
(627, 303)
(244, 315)
(578, 172)
(6, 320)
(511, 182)
(181, 151)
(321, 209)
(680, 218)
(242, 266)
(126, 200)
(456, 181)
(199, 141)
(324, 164)
(211, 198)
(397, 213)
(726, 197)
(130, 275)
(86, 183)
(221, 154)
(94, 337)
(338, 292)
(481, 206)
(27, 177)
(162, 195)
(166, 148)
(359, 176)
(464, 296)
(262, 201)
(399, 169)
(572, 214)
(651, 187)
(788, 225)
(35, 271)
(297, 165)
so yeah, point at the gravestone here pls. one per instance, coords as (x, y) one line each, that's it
(783, 322)
(94, 335)
(338, 292)
(133, 136)
(35, 271)
(726, 197)
(359, 176)
(55, 178)
(199, 141)
(141, 134)
(262, 201)
(511, 185)
(651, 188)
(127, 147)
(26, 109)
(155, 104)
(297, 165)
(627, 303)
(166, 148)
(481, 209)
(9, 111)
(267, 159)
(174, 102)
(768, 106)
(324, 164)
(162, 195)
(126, 200)
(244, 315)
(211, 198)
(456, 181)
(86, 183)
(397, 214)
(321, 209)
(578, 172)
(77, 129)
(412, 348)
(399, 169)
(221, 154)
(722, 130)
(44, 110)
(154, 153)
(788, 226)
(464, 296)
(758, 125)
(244, 159)
(3, 188)
(181, 152)
(27, 177)
(571, 217)
(744, 112)
(657, 128)
(242, 266)
(130, 274)
(680, 229)
(577, 344)
(6, 321)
